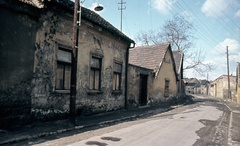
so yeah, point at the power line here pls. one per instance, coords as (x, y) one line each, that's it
(222, 22)
(229, 18)
(209, 31)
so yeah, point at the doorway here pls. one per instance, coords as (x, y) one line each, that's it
(143, 90)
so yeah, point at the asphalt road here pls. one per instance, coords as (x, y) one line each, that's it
(205, 122)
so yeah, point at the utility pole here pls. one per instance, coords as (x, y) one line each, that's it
(121, 3)
(207, 84)
(229, 95)
(73, 90)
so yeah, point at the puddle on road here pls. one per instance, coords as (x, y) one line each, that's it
(96, 143)
(111, 138)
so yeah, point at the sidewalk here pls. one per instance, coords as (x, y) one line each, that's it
(57, 127)
(234, 122)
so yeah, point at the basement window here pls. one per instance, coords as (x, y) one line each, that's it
(63, 76)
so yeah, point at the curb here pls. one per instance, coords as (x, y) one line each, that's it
(45, 134)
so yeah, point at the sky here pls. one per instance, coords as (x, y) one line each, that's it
(217, 24)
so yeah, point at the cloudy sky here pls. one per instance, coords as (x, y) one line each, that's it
(217, 24)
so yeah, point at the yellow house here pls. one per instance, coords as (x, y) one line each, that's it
(152, 76)
(219, 87)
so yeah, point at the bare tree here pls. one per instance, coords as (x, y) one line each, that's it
(179, 32)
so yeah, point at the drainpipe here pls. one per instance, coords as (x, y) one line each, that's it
(131, 45)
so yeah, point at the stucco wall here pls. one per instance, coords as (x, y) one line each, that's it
(134, 73)
(220, 87)
(17, 37)
(166, 72)
(95, 42)
(156, 84)
(55, 30)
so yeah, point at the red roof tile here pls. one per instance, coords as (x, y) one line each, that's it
(148, 56)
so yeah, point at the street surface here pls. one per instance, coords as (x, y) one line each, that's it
(206, 121)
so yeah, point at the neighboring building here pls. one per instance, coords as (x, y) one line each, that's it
(201, 87)
(219, 87)
(238, 82)
(178, 58)
(152, 76)
(36, 61)
(190, 85)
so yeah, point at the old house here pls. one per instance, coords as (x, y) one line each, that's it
(191, 85)
(152, 76)
(201, 87)
(38, 69)
(238, 82)
(178, 58)
(219, 87)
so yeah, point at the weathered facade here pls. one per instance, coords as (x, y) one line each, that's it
(238, 82)
(42, 77)
(152, 76)
(219, 87)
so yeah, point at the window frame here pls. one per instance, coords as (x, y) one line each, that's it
(166, 88)
(118, 75)
(65, 64)
(95, 69)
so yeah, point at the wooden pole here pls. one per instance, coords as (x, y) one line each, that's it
(73, 92)
(229, 96)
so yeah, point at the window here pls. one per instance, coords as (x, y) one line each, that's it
(95, 73)
(63, 78)
(117, 75)
(166, 92)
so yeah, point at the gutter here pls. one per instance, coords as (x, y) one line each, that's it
(126, 73)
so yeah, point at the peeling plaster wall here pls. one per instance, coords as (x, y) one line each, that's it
(54, 30)
(17, 37)
(156, 85)
(134, 73)
(94, 41)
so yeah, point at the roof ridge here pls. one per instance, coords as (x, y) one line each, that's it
(36, 3)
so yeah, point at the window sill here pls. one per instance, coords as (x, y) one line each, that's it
(94, 92)
(63, 91)
(117, 92)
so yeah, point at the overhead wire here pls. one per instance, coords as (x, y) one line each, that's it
(229, 18)
(203, 27)
(202, 36)
(222, 22)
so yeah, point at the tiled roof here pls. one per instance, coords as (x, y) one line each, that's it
(148, 56)
(35, 3)
(178, 58)
(86, 14)
(97, 19)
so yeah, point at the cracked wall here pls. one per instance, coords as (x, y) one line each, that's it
(93, 42)
(55, 30)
